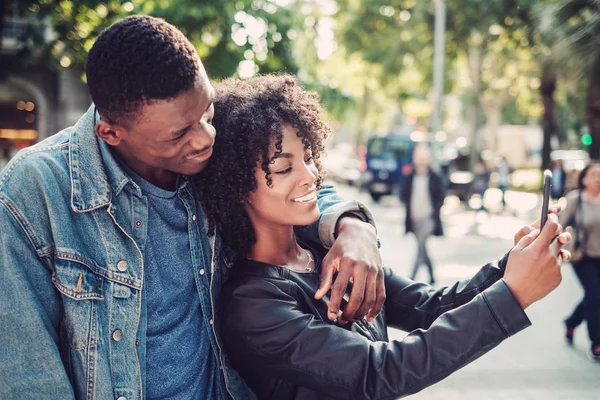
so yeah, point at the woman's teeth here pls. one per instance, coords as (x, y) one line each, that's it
(304, 199)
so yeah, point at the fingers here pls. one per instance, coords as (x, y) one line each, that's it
(565, 237)
(536, 224)
(556, 247)
(338, 289)
(565, 255)
(550, 230)
(527, 240)
(524, 231)
(327, 271)
(370, 292)
(553, 209)
(379, 298)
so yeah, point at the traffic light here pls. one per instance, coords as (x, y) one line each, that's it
(586, 139)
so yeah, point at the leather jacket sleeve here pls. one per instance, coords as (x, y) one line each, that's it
(411, 305)
(273, 335)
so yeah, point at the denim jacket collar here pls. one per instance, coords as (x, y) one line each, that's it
(93, 168)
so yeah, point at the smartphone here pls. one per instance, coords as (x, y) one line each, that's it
(546, 197)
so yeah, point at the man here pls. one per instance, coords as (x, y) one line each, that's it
(108, 280)
(423, 196)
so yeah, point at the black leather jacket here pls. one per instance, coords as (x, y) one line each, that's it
(282, 343)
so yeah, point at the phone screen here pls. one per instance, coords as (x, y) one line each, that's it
(546, 197)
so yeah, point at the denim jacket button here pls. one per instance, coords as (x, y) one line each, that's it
(121, 398)
(117, 335)
(194, 217)
(138, 223)
(202, 271)
(210, 321)
(122, 266)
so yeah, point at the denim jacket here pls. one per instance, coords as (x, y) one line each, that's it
(72, 237)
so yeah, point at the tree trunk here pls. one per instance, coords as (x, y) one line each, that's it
(593, 111)
(476, 53)
(549, 124)
(492, 104)
(362, 118)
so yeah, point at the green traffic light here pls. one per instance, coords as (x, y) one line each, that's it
(586, 139)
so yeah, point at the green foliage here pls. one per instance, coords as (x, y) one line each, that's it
(497, 51)
(209, 24)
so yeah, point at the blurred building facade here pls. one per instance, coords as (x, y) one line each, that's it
(36, 100)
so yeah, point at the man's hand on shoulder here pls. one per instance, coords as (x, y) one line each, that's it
(355, 257)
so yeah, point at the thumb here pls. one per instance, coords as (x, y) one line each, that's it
(527, 239)
(327, 270)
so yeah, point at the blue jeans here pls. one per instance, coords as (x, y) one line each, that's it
(588, 272)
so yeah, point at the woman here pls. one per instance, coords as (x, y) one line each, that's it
(583, 213)
(261, 182)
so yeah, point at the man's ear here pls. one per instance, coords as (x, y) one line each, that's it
(110, 133)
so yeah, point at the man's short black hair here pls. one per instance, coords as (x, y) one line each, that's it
(136, 60)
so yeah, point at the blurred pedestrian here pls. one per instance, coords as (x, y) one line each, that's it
(481, 179)
(504, 172)
(423, 195)
(583, 214)
(559, 178)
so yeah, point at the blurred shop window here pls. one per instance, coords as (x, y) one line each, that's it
(18, 127)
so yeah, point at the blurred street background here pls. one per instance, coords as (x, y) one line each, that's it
(535, 364)
(498, 90)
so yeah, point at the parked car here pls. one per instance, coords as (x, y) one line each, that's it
(386, 161)
(460, 177)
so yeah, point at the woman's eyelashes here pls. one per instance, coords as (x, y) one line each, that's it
(285, 170)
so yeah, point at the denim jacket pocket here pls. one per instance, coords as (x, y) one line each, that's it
(76, 281)
(82, 292)
(81, 289)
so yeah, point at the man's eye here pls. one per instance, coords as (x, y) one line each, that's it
(178, 136)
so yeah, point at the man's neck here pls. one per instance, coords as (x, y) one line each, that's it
(592, 195)
(422, 170)
(161, 178)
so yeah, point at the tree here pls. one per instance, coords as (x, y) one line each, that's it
(225, 33)
(576, 24)
(392, 43)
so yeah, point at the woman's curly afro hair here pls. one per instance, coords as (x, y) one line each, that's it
(250, 116)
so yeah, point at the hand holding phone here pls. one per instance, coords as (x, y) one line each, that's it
(546, 197)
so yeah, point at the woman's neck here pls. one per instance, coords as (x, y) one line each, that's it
(275, 245)
(592, 195)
